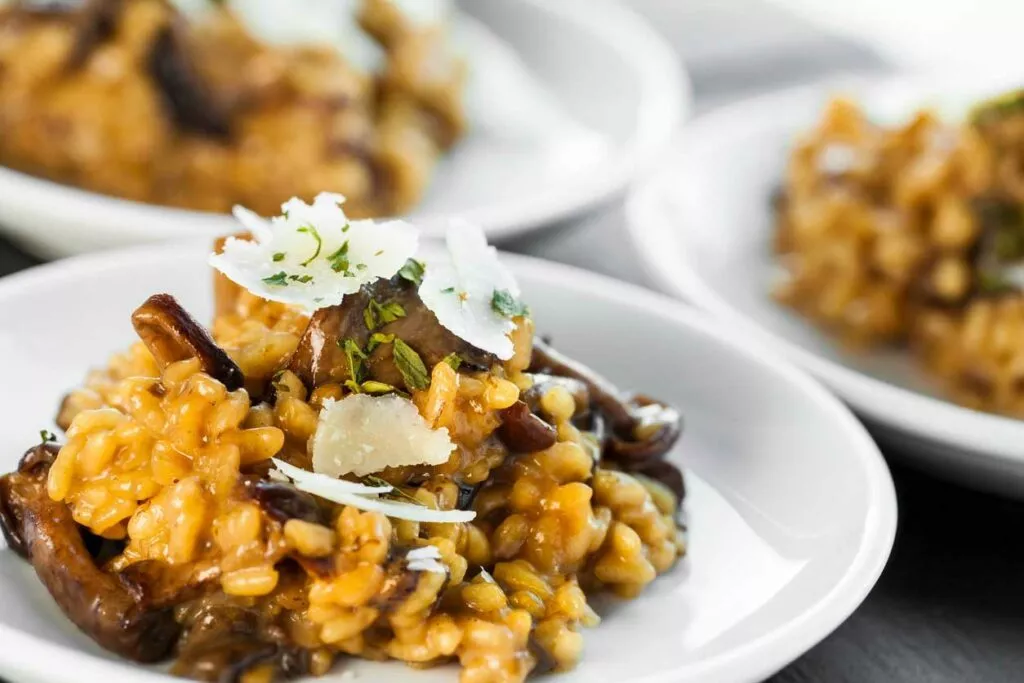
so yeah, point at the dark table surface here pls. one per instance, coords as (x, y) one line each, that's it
(950, 604)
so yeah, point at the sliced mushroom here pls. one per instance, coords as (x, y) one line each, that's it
(282, 501)
(171, 335)
(321, 359)
(189, 101)
(641, 430)
(523, 431)
(96, 22)
(96, 601)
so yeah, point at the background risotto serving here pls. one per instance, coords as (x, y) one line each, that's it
(370, 456)
(134, 99)
(915, 235)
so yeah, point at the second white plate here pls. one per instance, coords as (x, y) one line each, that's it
(549, 136)
(704, 225)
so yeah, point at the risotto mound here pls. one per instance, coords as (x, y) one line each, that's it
(163, 504)
(131, 99)
(914, 235)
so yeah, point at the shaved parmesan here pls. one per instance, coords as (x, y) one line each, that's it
(462, 291)
(389, 508)
(300, 475)
(425, 559)
(363, 434)
(313, 255)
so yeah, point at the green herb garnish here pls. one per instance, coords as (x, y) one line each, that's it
(448, 290)
(375, 314)
(312, 231)
(47, 436)
(279, 279)
(355, 357)
(339, 259)
(504, 304)
(376, 339)
(374, 387)
(353, 386)
(453, 360)
(413, 271)
(410, 365)
(279, 256)
(394, 493)
(301, 278)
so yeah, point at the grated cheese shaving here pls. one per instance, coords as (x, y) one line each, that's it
(463, 291)
(313, 255)
(362, 434)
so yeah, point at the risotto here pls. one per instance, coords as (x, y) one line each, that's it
(130, 98)
(914, 235)
(384, 473)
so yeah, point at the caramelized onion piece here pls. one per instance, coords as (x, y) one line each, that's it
(523, 431)
(171, 335)
(282, 501)
(96, 601)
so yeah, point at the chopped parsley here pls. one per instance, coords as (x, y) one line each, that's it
(374, 387)
(47, 436)
(339, 259)
(312, 231)
(279, 279)
(378, 338)
(413, 271)
(279, 256)
(375, 314)
(410, 365)
(448, 290)
(355, 357)
(453, 360)
(301, 278)
(506, 305)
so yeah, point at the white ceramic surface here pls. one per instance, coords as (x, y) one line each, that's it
(601, 93)
(979, 34)
(791, 508)
(703, 226)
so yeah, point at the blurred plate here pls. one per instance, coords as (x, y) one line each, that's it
(957, 34)
(585, 98)
(791, 510)
(703, 225)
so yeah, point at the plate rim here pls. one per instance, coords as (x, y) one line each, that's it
(664, 102)
(663, 247)
(756, 659)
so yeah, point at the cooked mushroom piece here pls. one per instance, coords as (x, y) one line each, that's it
(171, 335)
(321, 357)
(641, 430)
(190, 103)
(523, 431)
(96, 601)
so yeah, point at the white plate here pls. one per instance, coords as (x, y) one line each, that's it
(703, 225)
(617, 93)
(791, 508)
(979, 34)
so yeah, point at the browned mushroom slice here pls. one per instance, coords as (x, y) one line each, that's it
(171, 334)
(190, 102)
(523, 431)
(96, 22)
(642, 430)
(94, 600)
(321, 357)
